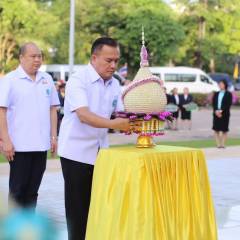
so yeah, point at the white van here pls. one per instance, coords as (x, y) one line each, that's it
(180, 77)
(61, 72)
(58, 71)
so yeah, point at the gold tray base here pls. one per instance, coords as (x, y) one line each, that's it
(145, 142)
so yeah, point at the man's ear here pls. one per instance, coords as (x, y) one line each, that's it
(93, 58)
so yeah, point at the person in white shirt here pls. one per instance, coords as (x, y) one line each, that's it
(28, 124)
(92, 95)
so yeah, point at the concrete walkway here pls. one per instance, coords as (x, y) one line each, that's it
(223, 167)
(201, 129)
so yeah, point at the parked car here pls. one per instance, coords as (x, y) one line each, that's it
(180, 77)
(223, 76)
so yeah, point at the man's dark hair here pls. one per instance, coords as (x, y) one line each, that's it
(100, 42)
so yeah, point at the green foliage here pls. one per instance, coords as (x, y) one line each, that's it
(202, 99)
(210, 143)
(49, 157)
(212, 32)
(163, 36)
(21, 21)
(204, 143)
(170, 34)
(123, 20)
(60, 41)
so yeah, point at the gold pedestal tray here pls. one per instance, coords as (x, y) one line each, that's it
(145, 142)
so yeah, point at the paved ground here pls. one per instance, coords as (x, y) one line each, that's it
(201, 129)
(223, 166)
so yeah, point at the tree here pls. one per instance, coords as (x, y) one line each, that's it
(47, 23)
(213, 31)
(20, 21)
(123, 20)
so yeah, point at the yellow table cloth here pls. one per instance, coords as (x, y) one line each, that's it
(161, 193)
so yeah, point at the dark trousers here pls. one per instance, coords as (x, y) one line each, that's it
(78, 184)
(26, 172)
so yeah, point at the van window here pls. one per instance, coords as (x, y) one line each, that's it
(157, 75)
(187, 77)
(205, 79)
(171, 77)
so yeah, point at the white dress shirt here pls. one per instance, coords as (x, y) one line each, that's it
(28, 105)
(79, 141)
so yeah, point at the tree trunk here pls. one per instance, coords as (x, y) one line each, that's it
(201, 36)
(212, 65)
(7, 45)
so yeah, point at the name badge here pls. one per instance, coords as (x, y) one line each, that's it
(114, 103)
(48, 92)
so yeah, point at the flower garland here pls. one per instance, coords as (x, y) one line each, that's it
(145, 117)
(162, 116)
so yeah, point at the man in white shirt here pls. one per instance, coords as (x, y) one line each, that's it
(28, 124)
(92, 95)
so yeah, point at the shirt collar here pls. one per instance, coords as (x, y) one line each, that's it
(95, 76)
(22, 74)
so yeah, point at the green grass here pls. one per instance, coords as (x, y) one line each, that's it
(193, 144)
(2, 159)
(197, 143)
(201, 143)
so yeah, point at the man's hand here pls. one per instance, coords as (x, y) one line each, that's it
(122, 124)
(53, 146)
(7, 149)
